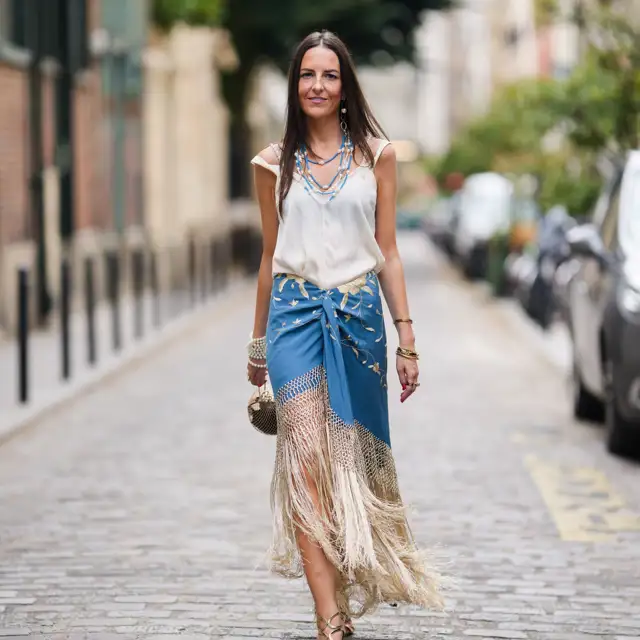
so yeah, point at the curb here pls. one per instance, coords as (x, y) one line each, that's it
(19, 420)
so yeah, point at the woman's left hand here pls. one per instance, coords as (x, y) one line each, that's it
(257, 376)
(408, 374)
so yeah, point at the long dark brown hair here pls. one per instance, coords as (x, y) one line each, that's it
(361, 122)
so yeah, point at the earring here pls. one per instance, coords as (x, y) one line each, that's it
(343, 119)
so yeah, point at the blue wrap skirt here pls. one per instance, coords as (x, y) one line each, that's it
(334, 476)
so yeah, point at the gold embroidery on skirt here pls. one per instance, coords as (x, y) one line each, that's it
(361, 524)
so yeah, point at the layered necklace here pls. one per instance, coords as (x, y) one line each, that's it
(334, 186)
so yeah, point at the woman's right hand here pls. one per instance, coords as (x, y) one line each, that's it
(257, 375)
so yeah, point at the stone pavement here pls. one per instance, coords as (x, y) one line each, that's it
(141, 511)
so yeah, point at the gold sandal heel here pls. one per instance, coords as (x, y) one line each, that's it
(329, 629)
(349, 628)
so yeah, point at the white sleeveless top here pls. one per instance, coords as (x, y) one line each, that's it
(328, 243)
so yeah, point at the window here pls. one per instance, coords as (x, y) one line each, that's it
(12, 22)
(52, 22)
(4, 21)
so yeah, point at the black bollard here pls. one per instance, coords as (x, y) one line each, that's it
(204, 274)
(213, 266)
(174, 289)
(138, 287)
(171, 293)
(90, 307)
(65, 312)
(191, 260)
(225, 262)
(155, 289)
(23, 335)
(113, 291)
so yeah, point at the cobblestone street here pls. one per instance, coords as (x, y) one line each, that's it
(142, 509)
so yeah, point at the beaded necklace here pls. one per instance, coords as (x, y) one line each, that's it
(311, 185)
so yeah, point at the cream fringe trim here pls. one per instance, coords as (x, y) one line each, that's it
(359, 519)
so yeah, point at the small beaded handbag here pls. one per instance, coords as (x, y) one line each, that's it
(262, 404)
(262, 410)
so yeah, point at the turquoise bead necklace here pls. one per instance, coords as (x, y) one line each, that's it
(332, 188)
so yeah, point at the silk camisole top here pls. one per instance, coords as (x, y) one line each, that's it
(328, 242)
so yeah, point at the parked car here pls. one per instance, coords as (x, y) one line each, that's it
(551, 251)
(484, 211)
(521, 270)
(604, 310)
(569, 268)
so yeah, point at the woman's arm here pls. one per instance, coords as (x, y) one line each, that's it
(265, 182)
(391, 277)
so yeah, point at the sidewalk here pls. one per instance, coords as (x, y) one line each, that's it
(48, 389)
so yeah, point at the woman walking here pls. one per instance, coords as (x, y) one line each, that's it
(327, 201)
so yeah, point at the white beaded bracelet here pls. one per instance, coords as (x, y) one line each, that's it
(256, 365)
(257, 348)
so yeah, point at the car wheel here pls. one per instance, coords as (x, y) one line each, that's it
(621, 434)
(586, 406)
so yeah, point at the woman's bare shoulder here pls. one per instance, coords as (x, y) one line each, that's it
(271, 154)
(377, 144)
(380, 148)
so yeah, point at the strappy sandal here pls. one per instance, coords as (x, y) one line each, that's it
(349, 628)
(328, 629)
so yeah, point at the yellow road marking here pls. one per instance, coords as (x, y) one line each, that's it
(582, 502)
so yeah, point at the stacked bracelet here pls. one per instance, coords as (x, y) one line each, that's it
(410, 354)
(257, 348)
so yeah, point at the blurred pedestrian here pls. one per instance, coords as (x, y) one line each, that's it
(327, 196)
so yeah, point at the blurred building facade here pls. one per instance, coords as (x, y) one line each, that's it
(465, 55)
(514, 41)
(114, 142)
(456, 73)
(267, 107)
(186, 144)
(71, 132)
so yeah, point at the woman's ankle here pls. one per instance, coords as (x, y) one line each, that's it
(326, 611)
(330, 625)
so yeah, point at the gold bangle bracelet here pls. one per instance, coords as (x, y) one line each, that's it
(407, 353)
(399, 320)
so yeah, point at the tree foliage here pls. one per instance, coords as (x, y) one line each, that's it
(595, 111)
(206, 13)
(603, 95)
(268, 30)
